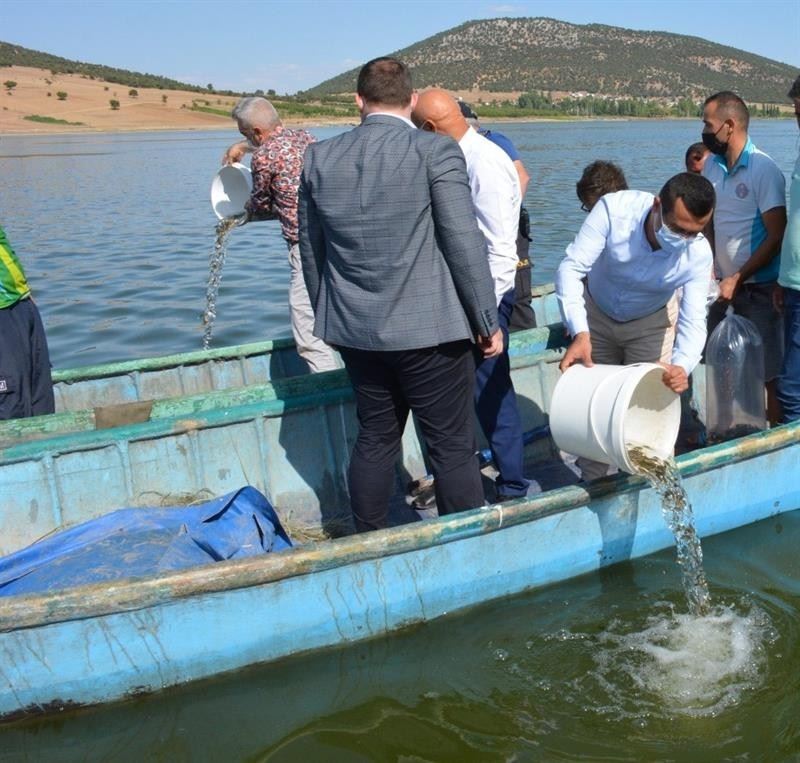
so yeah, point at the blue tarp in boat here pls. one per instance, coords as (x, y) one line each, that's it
(137, 542)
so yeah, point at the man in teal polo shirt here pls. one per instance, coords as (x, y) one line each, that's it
(748, 225)
(788, 295)
(26, 388)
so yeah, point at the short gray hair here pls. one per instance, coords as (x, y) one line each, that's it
(254, 111)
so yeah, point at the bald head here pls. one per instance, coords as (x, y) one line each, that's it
(438, 111)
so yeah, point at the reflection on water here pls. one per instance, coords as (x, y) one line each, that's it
(115, 243)
(599, 668)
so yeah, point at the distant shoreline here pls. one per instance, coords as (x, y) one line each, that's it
(294, 124)
(55, 130)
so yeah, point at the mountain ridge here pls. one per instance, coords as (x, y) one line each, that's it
(540, 54)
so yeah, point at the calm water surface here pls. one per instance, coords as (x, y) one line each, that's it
(578, 671)
(115, 231)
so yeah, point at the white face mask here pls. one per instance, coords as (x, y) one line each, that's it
(670, 241)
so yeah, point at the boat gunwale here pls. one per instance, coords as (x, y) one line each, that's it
(160, 362)
(131, 594)
(16, 433)
(198, 357)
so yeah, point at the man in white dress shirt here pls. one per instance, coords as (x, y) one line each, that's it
(495, 188)
(634, 250)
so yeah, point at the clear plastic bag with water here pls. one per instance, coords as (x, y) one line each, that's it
(735, 403)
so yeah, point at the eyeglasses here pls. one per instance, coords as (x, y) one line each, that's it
(584, 208)
(689, 236)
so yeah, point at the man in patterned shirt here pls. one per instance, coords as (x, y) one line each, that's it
(276, 166)
(26, 388)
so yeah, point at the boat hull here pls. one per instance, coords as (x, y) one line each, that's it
(104, 643)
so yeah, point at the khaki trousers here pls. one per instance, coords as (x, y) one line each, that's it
(643, 340)
(317, 355)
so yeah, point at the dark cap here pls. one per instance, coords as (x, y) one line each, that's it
(795, 90)
(466, 110)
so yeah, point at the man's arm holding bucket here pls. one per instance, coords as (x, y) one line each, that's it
(235, 152)
(581, 255)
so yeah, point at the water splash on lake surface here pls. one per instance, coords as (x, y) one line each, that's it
(215, 264)
(682, 664)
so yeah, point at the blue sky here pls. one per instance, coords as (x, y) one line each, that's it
(291, 45)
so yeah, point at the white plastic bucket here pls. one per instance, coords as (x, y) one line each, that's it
(600, 412)
(230, 190)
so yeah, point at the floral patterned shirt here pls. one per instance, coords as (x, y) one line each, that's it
(276, 166)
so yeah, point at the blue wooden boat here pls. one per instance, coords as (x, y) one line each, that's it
(193, 373)
(127, 392)
(102, 643)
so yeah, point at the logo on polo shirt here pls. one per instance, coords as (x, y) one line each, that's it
(3, 385)
(742, 190)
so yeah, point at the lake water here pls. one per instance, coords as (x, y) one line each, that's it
(115, 230)
(577, 671)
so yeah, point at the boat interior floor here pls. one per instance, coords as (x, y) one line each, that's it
(418, 501)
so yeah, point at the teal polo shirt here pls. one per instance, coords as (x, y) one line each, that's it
(790, 251)
(754, 185)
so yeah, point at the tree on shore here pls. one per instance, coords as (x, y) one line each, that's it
(9, 85)
(114, 104)
(61, 95)
(133, 93)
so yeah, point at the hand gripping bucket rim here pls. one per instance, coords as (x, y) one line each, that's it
(598, 412)
(230, 190)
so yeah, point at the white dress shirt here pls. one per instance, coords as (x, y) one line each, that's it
(494, 182)
(390, 114)
(628, 279)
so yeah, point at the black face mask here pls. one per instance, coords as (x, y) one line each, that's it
(713, 143)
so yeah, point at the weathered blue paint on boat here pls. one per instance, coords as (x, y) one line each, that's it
(101, 643)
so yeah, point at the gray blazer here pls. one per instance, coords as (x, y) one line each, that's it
(392, 254)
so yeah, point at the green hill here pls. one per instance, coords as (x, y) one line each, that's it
(540, 54)
(16, 55)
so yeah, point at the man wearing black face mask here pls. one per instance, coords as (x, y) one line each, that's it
(748, 225)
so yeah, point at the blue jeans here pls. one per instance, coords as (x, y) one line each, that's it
(496, 406)
(789, 379)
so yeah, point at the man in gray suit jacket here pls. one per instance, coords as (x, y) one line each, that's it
(398, 275)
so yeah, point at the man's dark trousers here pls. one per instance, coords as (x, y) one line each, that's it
(436, 383)
(26, 387)
(496, 406)
(789, 380)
